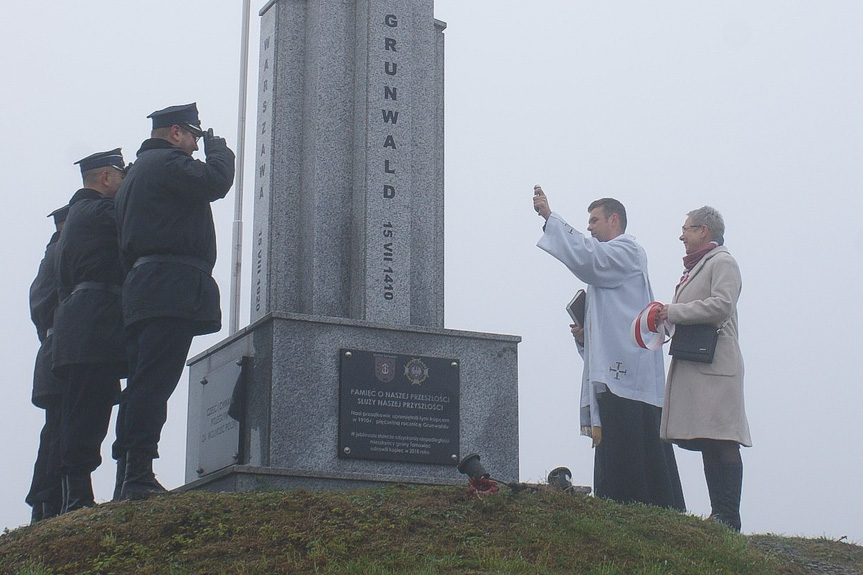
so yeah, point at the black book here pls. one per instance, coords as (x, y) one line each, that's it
(575, 308)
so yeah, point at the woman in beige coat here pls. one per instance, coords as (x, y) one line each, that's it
(703, 408)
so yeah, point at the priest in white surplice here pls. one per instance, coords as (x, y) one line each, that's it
(622, 384)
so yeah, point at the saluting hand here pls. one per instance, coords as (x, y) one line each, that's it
(212, 141)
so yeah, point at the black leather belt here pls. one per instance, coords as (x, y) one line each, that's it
(104, 286)
(199, 263)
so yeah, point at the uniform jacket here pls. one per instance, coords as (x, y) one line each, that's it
(618, 289)
(88, 323)
(163, 208)
(705, 400)
(43, 302)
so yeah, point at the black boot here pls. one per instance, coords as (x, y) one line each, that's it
(52, 506)
(51, 509)
(36, 514)
(731, 475)
(724, 485)
(77, 492)
(121, 477)
(140, 482)
(711, 475)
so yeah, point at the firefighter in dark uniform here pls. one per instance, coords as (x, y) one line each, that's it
(45, 496)
(89, 342)
(168, 249)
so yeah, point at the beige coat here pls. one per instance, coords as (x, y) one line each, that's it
(705, 400)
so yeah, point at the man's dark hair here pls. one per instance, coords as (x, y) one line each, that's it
(610, 206)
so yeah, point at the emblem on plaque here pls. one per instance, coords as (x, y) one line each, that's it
(416, 371)
(385, 368)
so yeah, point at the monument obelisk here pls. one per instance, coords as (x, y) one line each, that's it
(350, 162)
(346, 375)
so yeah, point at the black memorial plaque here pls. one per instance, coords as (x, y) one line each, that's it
(398, 407)
(220, 430)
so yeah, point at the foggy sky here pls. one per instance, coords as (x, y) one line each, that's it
(753, 108)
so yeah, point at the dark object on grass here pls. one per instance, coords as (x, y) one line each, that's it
(560, 478)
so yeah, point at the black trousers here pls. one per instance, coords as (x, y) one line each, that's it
(45, 486)
(91, 392)
(157, 349)
(632, 464)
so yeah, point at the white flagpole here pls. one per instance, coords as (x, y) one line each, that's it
(237, 253)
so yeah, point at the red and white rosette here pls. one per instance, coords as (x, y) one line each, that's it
(648, 331)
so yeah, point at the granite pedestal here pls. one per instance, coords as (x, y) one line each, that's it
(287, 409)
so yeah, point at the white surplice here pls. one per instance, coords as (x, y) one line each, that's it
(618, 289)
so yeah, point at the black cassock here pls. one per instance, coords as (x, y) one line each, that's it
(631, 463)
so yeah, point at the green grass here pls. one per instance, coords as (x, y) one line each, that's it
(398, 529)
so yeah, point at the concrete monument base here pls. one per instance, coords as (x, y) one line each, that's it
(265, 406)
(245, 478)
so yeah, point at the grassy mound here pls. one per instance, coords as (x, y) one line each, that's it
(397, 529)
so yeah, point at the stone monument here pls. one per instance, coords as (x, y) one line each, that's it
(346, 375)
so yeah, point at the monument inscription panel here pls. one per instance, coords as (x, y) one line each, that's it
(398, 407)
(219, 428)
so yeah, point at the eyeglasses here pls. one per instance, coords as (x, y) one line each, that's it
(684, 228)
(195, 132)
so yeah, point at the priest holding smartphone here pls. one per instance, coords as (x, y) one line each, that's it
(622, 384)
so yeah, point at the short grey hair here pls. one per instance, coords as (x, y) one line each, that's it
(710, 217)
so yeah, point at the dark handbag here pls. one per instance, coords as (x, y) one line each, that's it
(694, 342)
